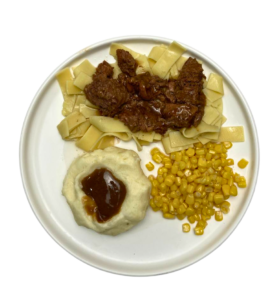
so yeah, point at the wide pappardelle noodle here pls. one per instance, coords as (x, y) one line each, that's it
(84, 124)
(196, 184)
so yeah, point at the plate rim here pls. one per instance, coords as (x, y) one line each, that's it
(40, 216)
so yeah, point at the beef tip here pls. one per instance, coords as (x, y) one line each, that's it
(122, 79)
(147, 86)
(103, 71)
(107, 93)
(199, 116)
(191, 71)
(141, 116)
(179, 115)
(170, 92)
(187, 93)
(126, 62)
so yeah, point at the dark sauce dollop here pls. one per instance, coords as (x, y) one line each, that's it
(106, 191)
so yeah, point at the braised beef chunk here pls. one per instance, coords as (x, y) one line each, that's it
(106, 92)
(146, 102)
(191, 71)
(104, 70)
(126, 62)
(179, 115)
(141, 116)
(148, 87)
(187, 93)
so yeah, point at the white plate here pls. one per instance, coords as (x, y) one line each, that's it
(156, 245)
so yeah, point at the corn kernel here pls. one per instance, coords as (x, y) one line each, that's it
(168, 165)
(185, 227)
(183, 187)
(242, 163)
(165, 208)
(202, 162)
(157, 158)
(178, 181)
(155, 208)
(199, 230)
(176, 203)
(190, 189)
(191, 178)
(152, 204)
(208, 156)
(216, 164)
(187, 172)
(181, 216)
(168, 216)
(231, 181)
(217, 186)
(151, 178)
(224, 155)
(227, 175)
(168, 181)
(200, 151)
(191, 219)
(218, 198)
(162, 187)
(154, 151)
(172, 209)
(159, 178)
(190, 211)
(210, 212)
(236, 177)
(202, 223)
(173, 194)
(230, 162)
(226, 190)
(158, 202)
(211, 196)
(218, 148)
(180, 173)
(197, 173)
(164, 170)
(218, 216)
(190, 152)
(194, 161)
(242, 184)
(178, 156)
(228, 145)
(150, 166)
(174, 170)
(172, 156)
(164, 199)
(173, 187)
(155, 183)
(233, 190)
(154, 191)
(189, 199)
(181, 209)
(225, 207)
(205, 218)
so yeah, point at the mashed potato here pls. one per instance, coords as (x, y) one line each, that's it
(125, 165)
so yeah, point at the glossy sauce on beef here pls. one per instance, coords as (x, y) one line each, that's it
(105, 194)
(146, 102)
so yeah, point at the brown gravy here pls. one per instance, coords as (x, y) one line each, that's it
(107, 194)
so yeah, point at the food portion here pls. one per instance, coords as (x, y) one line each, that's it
(163, 97)
(195, 184)
(147, 102)
(107, 190)
(160, 97)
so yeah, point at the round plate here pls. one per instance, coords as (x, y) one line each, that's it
(155, 245)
